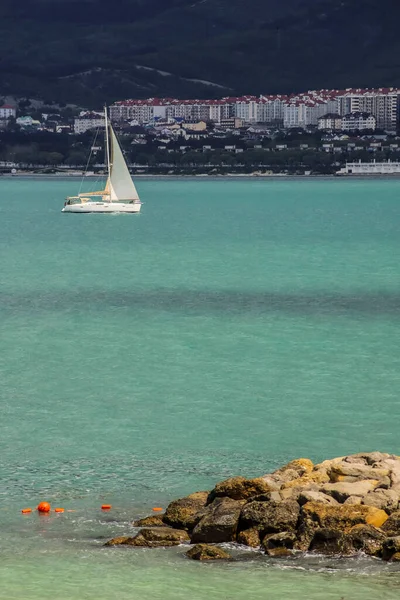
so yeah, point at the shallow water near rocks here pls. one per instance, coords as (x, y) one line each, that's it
(231, 327)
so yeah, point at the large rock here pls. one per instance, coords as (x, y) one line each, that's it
(387, 500)
(369, 458)
(391, 548)
(330, 542)
(122, 540)
(392, 525)
(152, 521)
(352, 472)
(393, 464)
(310, 481)
(366, 538)
(185, 513)
(274, 543)
(270, 517)
(293, 470)
(159, 536)
(342, 491)
(273, 496)
(300, 466)
(240, 488)
(207, 552)
(313, 496)
(353, 500)
(249, 537)
(341, 518)
(395, 557)
(219, 523)
(326, 465)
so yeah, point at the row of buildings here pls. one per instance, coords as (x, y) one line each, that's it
(288, 111)
(355, 121)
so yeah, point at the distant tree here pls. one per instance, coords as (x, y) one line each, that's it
(12, 125)
(55, 158)
(24, 104)
(76, 158)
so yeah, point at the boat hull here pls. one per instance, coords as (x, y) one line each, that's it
(103, 207)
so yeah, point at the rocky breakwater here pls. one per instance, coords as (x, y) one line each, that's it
(341, 506)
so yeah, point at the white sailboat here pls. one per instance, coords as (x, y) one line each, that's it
(119, 195)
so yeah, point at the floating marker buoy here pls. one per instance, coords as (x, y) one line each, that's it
(157, 509)
(26, 511)
(44, 507)
(106, 507)
(59, 510)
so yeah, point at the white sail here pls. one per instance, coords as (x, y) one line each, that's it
(120, 180)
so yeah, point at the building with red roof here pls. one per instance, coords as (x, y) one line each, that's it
(7, 111)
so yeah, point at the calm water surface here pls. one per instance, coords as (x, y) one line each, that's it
(232, 326)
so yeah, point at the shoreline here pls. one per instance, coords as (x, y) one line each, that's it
(81, 175)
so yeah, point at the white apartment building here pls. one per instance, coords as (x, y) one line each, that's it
(140, 111)
(186, 110)
(7, 111)
(221, 110)
(358, 121)
(87, 121)
(246, 108)
(301, 112)
(382, 103)
(330, 122)
(270, 109)
(291, 115)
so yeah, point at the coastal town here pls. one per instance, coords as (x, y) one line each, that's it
(314, 132)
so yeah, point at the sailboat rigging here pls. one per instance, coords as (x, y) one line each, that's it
(119, 193)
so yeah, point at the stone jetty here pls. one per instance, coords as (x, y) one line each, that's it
(341, 506)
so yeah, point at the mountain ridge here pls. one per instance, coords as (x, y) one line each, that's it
(84, 52)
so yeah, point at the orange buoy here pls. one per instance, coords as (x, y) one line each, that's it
(26, 511)
(44, 507)
(157, 509)
(106, 507)
(59, 510)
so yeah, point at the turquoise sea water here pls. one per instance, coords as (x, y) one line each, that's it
(232, 326)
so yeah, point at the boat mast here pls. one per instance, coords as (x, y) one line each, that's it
(107, 141)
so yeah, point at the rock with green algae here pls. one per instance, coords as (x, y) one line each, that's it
(331, 542)
(207, 552)
(249, 537)
(152, 521)
(270, 517)
(185, 513)
(156, 537)
(219, 522)
(367, 539)
(392, 526)
(239, 488)
(275, 543)
(123, 540)
(391, 548)
(341, 518)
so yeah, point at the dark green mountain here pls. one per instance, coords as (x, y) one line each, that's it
(92, 51)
